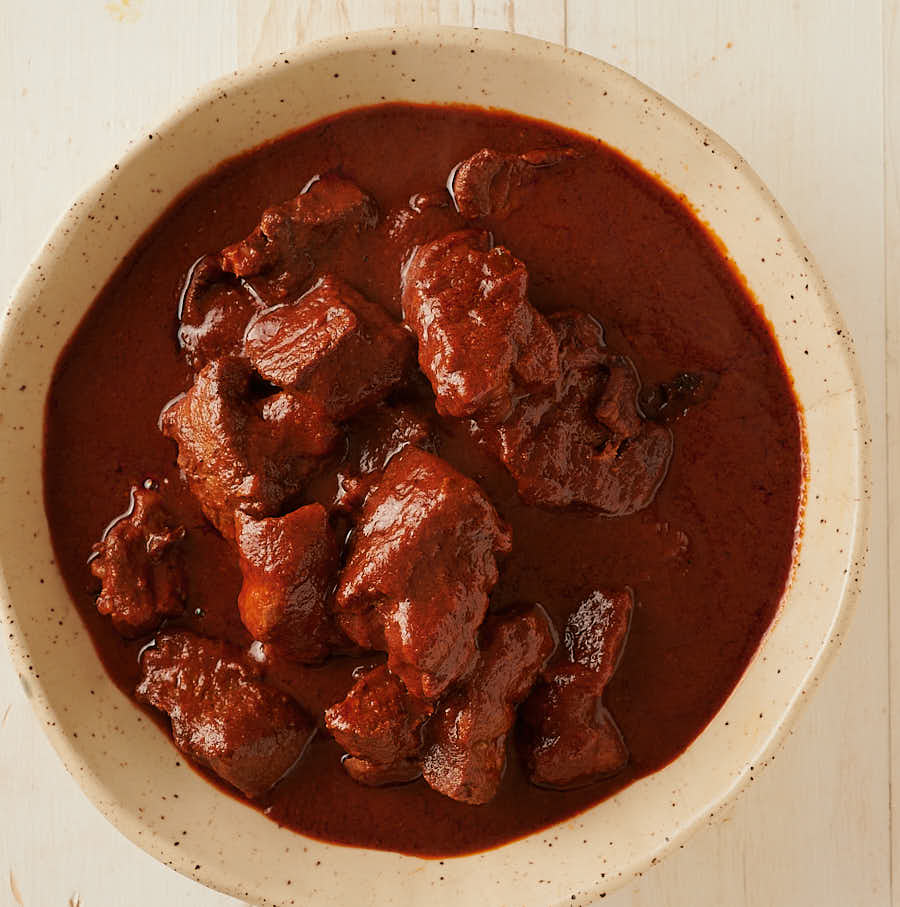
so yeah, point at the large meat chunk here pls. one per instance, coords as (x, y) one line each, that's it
(583, 440)
(289, 565)
(279, 255)
(139, 564)
(242, 453)
(422, 560)
(490, 182)
(379, 724)
(478, 334)
(332, 343)
(223, 715)
(465, 752)
(567, 737)
(223, 291)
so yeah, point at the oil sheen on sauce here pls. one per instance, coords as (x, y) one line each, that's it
(708, 560)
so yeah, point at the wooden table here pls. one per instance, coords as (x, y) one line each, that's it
(808, 91)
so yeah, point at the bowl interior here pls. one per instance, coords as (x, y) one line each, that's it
(129, 770)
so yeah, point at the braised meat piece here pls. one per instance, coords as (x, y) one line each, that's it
(289, 565)
(279, 256)
(139, 564)
(465, 752)
(379, 724)
(567, 738)
(582, 441)
(223, 715)
(242, 453)
(214, 311)
(478, 334)
(488, 183)
(332, 343)
(596, 631)
(425, 217)
(223, 292)
(421, 563)
(388, 430)
(374, 441)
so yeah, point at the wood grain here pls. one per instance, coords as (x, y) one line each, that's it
(892, 335)
(809, 92)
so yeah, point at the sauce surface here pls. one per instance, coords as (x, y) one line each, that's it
(708, 560)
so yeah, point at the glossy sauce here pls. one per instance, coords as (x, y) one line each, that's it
(708, 560)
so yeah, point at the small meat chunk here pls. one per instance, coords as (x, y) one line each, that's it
(582, 441)
(669, 401)
(214, 311)
(241, 453)
(425, 216)
(139, 563)
(478, 334)
(596, 631)
(379, 724)
(567, 738)
(279, 256)
(570, 739)
(489, 183)
(333, 344)
(387, 431)
(465, 752)
(223, 715)
(375, 439)
(289, 565)
(421, 563)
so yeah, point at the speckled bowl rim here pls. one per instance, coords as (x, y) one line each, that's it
(496, 46)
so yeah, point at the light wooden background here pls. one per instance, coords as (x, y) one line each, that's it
(808, 90)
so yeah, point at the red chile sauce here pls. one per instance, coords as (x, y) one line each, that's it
(708, 560)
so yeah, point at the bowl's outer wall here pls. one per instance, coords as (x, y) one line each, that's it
(122, 761)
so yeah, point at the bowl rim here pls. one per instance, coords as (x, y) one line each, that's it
(67, 750)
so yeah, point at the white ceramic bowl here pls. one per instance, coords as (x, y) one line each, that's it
(122, 761)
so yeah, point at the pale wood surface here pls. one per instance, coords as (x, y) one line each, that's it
(808, 91)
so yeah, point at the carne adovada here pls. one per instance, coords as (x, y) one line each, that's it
(462, 487)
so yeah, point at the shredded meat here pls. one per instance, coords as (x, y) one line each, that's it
(567, 738)
(139, 564)
(465, 752)
(422, 560)
(223, 715)
(242, 453)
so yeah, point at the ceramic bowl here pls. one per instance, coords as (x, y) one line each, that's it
(122, 761)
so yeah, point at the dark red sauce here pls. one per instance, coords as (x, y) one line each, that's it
(708, 560)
